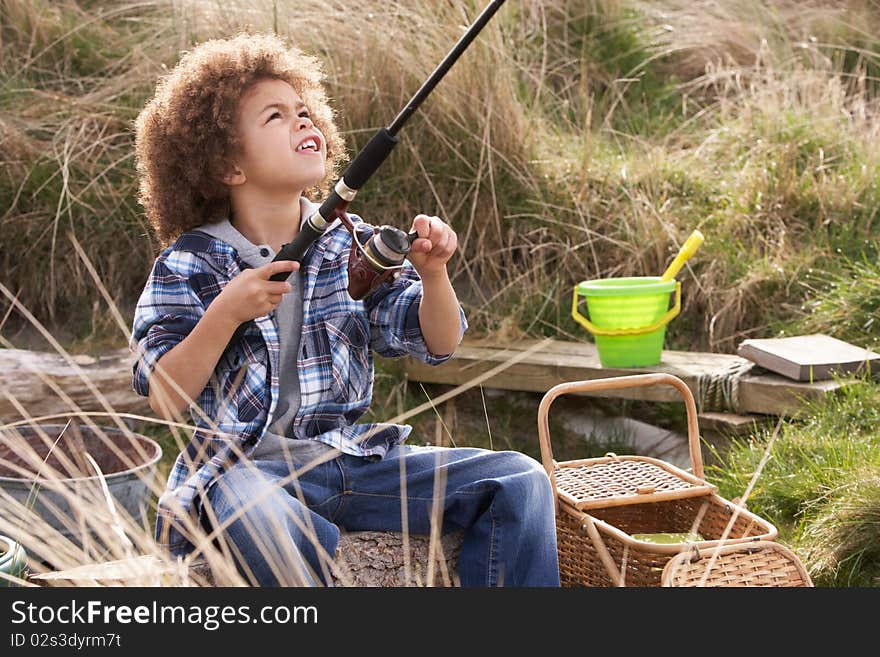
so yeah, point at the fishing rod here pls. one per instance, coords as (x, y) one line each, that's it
(374, 260)
(383, 252)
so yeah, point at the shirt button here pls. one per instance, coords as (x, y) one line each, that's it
(264, 252)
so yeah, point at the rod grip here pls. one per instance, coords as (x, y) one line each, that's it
(296, 249)
(369, 159)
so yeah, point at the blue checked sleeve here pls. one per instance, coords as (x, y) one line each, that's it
(168, 309)
(395, 330)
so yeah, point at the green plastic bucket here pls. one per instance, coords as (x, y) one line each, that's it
(628, 317)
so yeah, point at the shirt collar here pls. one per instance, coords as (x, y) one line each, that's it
(255, 255)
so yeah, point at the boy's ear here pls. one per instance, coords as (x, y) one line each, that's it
(234, 176)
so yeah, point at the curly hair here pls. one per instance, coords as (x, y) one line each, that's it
(185, 136)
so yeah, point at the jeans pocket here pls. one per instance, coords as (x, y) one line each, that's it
(348, 342)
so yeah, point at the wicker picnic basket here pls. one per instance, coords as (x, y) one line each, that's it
(765, 563)
(602, 502)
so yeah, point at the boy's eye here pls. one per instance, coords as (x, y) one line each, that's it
(274, 115)
(304, 114)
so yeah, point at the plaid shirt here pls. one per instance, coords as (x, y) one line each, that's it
(335, 362)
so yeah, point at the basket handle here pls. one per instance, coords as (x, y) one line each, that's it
(589, 523)
(612, 383)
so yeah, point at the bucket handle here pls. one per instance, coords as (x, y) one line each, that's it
(668, 316)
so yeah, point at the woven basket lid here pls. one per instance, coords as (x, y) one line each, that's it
(619, 480)
(762, 563)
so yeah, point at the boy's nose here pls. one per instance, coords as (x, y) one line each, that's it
(303, 122)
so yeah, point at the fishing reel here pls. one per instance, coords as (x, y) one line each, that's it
(377, 254)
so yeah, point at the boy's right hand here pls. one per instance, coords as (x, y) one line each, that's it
(251, 294)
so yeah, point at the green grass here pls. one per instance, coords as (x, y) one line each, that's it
(840, 542)
(815, 464)
(845, 303)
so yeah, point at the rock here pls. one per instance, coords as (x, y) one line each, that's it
(377, 559)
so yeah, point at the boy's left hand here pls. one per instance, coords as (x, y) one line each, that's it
(434, 246)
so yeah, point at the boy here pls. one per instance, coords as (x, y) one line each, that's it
(229, 147)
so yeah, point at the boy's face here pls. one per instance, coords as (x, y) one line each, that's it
(281, 150)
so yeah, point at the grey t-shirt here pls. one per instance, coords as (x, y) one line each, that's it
(277, 443)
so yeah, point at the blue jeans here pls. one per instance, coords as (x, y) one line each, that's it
(277, 527)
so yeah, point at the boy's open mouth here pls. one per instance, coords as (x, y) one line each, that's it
(309, 144)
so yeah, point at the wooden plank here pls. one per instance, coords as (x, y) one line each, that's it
(33, 379)
(776, 395)
(807, 357)
(142, 570)
(560, 362)
(364, 558)
(731, 423)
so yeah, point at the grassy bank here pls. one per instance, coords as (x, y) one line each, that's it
(820, 485)
(575, 140)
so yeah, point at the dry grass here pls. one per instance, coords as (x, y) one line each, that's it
(574, 140)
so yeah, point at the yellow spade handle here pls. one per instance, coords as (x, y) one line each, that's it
(686, 251)
(595, 330)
